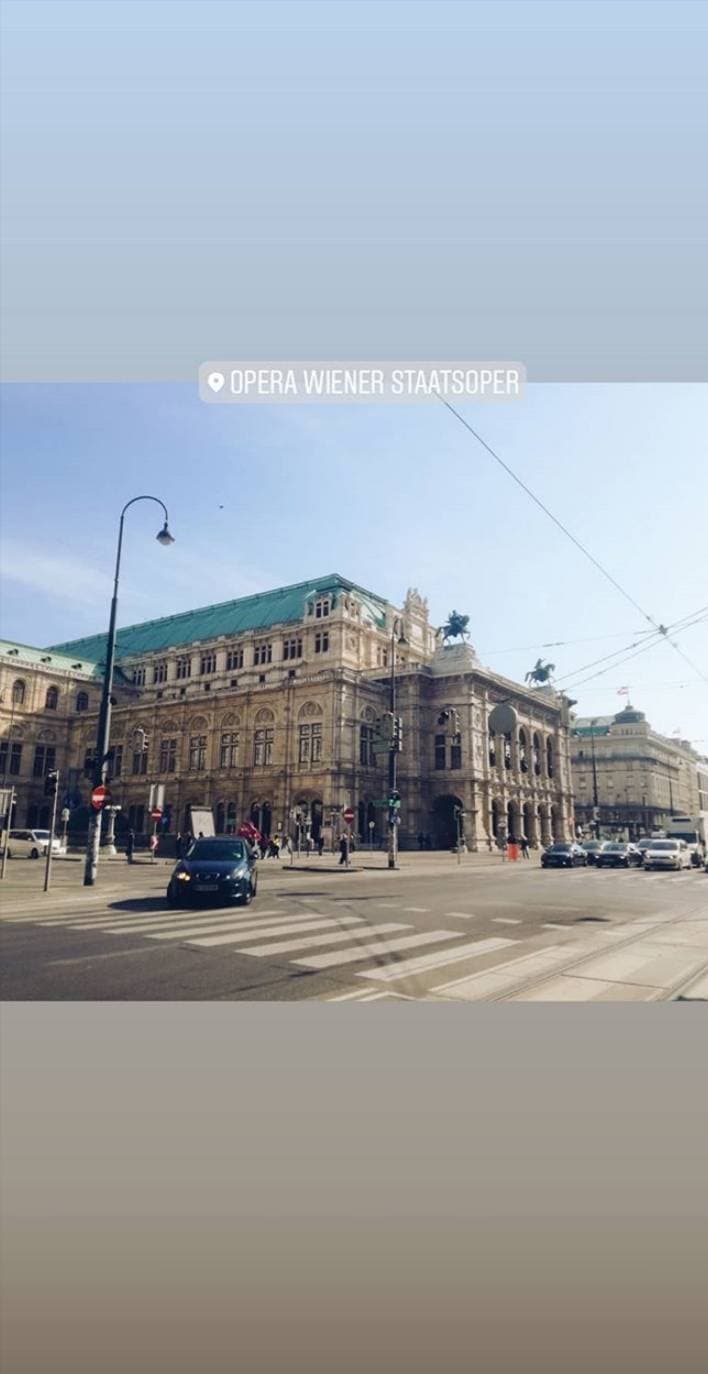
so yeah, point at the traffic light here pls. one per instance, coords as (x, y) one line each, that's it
(398, 734)
(51, 783)
(384, 733)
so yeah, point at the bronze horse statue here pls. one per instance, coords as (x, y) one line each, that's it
(540, 673)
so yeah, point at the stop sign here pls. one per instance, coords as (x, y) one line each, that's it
(100, 797)
(348, 814)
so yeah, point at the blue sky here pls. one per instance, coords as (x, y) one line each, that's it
(391, 496)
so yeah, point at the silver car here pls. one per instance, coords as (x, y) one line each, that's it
(30, 844)
(672, 854)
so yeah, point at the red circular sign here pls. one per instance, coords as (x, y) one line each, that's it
(99, 797)
(155, 814)
(348, 815)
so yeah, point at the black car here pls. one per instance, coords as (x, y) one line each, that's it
(618, 855)
(218, 869)
(564, 856)
(593, 848)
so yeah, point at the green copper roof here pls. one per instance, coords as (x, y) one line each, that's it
(49, 659)
(259, 612)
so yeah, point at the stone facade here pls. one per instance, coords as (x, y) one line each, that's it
(275, 722)
(643, 778)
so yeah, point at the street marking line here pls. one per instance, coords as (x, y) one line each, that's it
(463, 915)
(370, 950)
(255, 930)
(150, 919)
(421, 910)
(174, 921)
(309, 942)
(506, 920)
(554, 925)
(647, 964)
(506, 974)
(359, 995)
(438, 959)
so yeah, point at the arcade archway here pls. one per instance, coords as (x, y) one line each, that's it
(445, 821)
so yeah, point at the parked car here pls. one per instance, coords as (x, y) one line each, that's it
(215, 869)
(593, 848)
(564, 856)
(619, 855)
(30, 844)
(667, 854)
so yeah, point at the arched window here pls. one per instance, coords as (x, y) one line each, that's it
(523, 751)
(220, 819)
(52, 699)
(549, 757)
(19, 692)
(537, 754)
(82, 701)
(507, 751)
(492, 749)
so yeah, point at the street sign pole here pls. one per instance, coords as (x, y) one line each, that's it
(52, 828)
(7, 825)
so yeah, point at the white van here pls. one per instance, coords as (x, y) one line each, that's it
(30, 844)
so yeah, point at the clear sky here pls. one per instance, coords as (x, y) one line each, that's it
(390, 496)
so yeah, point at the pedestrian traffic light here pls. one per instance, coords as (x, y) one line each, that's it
(394, 800)
(51, 783)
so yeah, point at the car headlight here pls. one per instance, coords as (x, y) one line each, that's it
(183, 877)
(240, 872)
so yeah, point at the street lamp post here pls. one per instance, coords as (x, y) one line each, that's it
(595, 802)
(104, 716)
(397, 636)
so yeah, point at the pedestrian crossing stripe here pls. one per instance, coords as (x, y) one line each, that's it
(277, 929)
(438, 959)
(274, 948)
(375, 947)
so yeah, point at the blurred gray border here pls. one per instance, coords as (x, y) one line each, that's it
(208, 1187)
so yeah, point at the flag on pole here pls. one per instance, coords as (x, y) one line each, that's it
(623, 691)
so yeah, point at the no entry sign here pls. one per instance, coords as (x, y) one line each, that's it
(156, 814)
(348, 815)
(100, 797)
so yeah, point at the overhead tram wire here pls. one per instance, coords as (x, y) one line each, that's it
(642, 649)
(659, 629)
(695, 618)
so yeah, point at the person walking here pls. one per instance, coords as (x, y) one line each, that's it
(320, 844)
(343, 849)
(524, 847)
(490, 844)
(130, 846)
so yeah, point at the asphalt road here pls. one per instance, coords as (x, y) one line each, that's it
(434, 931)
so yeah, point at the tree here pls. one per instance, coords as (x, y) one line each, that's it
(455, 626)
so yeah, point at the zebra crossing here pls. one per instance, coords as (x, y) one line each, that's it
(395, 961)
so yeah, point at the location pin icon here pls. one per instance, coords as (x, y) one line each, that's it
(216, 380)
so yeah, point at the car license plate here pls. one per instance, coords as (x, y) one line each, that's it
(207, 887)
